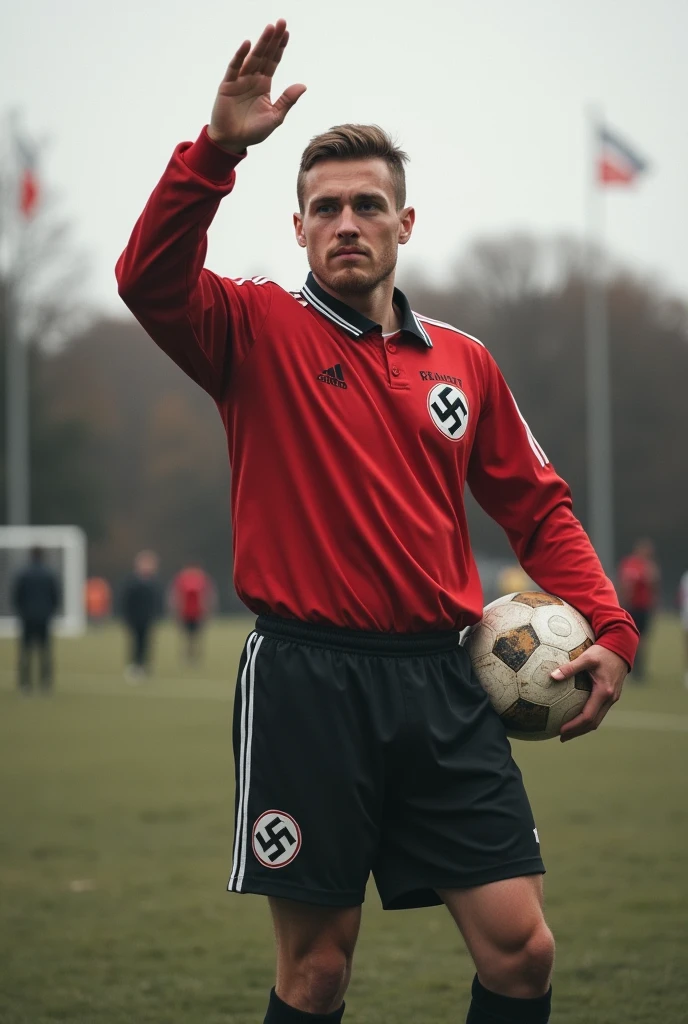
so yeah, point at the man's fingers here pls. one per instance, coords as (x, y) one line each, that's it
(288, 99)
(569, 669)
(607, 671)
(248, 78)
(281, 42)
(582, 724)
(584, 663)
(235, 64)
(272, 55)
(575, 728)
(596, 707)
(265, 55)
(254, 61)
(272, 60)
(578, 726)
(585, 721)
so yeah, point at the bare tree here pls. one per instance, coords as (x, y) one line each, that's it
(43, 266)
(524, 298)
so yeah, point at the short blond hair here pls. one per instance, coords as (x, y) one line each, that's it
(355, 142)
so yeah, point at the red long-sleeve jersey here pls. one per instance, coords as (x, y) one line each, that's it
(350, 451)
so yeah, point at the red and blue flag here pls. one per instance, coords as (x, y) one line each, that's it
(29, 187)
(617, 162)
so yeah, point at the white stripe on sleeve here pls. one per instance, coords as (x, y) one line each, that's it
(534, 444)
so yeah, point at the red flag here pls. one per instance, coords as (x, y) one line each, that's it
(29, 187)
(617, 162)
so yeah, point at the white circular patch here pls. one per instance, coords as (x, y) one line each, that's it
(448, 408)
(276, 839)
(559, 625)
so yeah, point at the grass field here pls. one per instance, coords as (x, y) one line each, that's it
(115, 848)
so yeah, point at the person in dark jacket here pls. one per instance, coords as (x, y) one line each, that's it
(141, 606)
(35, 601)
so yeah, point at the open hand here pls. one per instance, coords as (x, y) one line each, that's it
(607, 671)
(244, 114)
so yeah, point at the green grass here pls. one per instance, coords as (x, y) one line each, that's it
(129, 792)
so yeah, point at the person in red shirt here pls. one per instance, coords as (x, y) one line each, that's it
(363, 741)
(97, 599)
(192, 600)
(639, 579)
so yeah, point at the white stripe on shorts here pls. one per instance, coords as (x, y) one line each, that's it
(247, 772)
(251, 649)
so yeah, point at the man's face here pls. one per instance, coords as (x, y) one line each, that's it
(146, 564)
(350, 225)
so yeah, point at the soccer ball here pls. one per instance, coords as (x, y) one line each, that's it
(521, 639)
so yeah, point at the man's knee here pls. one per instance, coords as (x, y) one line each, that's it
(538, 956)
(317, 981)
(522, 967)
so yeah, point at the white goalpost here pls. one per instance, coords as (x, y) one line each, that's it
(64, 549)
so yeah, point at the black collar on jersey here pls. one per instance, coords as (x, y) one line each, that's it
(355, 323)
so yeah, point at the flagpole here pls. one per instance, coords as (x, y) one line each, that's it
(17, 464)
(597, 375)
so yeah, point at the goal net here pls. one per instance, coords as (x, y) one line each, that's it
(64, 549)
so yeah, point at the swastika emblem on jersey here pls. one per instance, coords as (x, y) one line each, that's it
(276, 839)
(448, 408)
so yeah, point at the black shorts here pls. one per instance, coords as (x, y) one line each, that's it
(191, 625)
(359, 752)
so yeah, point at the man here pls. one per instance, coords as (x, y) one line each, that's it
(683, 612)
(192, 599)
(362, 741)
(639, 578)
(35, 600)
(141, 606)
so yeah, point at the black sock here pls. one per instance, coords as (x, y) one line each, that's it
(489, 1008)
(281, 1013)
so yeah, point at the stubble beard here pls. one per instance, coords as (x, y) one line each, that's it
(353, 281)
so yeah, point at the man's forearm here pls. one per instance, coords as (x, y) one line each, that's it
(561, 559)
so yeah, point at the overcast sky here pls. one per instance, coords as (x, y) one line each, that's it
(488, 98)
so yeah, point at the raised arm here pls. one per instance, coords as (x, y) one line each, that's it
(204, 322)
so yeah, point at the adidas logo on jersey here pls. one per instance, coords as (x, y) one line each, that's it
(334, 375)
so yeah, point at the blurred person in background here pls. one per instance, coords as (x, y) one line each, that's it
(353, 425)
(35, 601)
(639, 579)
(192, 599)
(141, 607)
(513, 580)
(683, 611)
(97, 599)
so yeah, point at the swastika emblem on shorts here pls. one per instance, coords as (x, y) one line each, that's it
(276, 839)
(448, 408)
